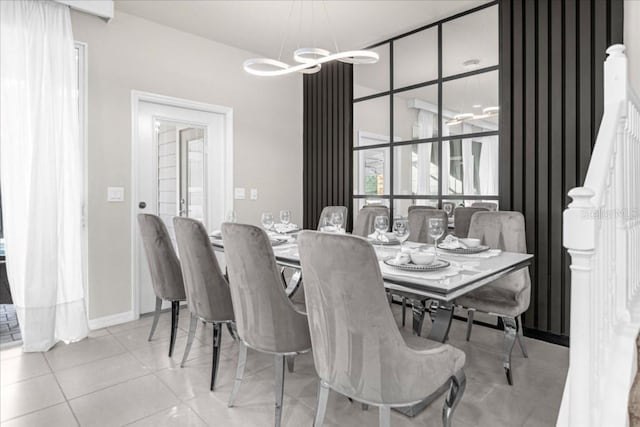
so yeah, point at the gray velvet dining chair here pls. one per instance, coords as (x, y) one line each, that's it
(358, 350)
(462, 219)
(509, 296)
(418, 207)
(491, 206)
(266, 319)
(419, 224)
(364, 223)
(327, 211)
(166, 276)
(208, 295)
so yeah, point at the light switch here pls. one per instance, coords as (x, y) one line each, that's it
(239, 193)
(254, 194)
(115, 194)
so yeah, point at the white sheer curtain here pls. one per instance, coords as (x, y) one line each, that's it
(488, 168)
(425, 119)
(41, 173)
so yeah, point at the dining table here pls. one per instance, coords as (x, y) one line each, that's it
(465, 273)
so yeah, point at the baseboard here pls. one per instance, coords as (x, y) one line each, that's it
(111, 320)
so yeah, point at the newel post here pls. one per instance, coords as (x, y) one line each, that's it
(579, 239)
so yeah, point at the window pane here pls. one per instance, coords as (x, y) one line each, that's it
(371, 172)
(470, 166)
(470, 104)
(401, 206)
(415, 169)
(415, 113)
(371, 121)
(415, 58)
(372, 78)
(473, 37)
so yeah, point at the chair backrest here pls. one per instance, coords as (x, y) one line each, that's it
(492, 206)
(364, 223)
(166, 276)
(452, 204)
(207, 290)
(418, 207)
(462, 219)
(327, 211)
(505, 230)
(419, 226)
(266, 319)
(357, 347)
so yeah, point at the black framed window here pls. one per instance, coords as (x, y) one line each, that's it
(425, 117)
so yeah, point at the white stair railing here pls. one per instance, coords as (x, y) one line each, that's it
(602, 234)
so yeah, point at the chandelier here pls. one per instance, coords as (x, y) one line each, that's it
(487, 112)
(308, 60)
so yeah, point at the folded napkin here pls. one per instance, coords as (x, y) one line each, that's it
(452, 242)
(332, 229)
(486, 254)
(285, 228)
(402, 258)
(216, 234)
(378, 236)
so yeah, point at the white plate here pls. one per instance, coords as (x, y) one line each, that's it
(438, 264)
(475, 250)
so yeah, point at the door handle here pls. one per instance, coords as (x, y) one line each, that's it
(142, 205)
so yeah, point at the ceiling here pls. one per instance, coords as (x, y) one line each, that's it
(261, 26)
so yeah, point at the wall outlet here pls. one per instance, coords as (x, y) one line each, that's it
(239, 193)
(254, 194)
(115, 194)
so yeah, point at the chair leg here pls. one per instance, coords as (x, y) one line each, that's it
(242, 361)
(156, 317)
(404, 311)
(175, 314)
(510, 336)
(419, 310)
(290, 362)
(384, 416)
(193, 325)
(217, 337)
(321, 404)
(294, 284)
(521, 337)
(232, 330)
(470, 314)
(279, 388)
(456, 390)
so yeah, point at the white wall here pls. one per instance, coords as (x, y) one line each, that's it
(132, 53)
(632, 40)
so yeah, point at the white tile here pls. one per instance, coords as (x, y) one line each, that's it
(64, 356)
(180, 415)
(123, 403)
(28, 396)
(139, 337)
(102, 373)
(10, 351)
(26, 366)
(55, 416)
(156, 357)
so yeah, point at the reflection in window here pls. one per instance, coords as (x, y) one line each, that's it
(415, 58)
(470, 166)
(372, 78)
(415, 113)
(470, 104)
(416, 169)
(371, 169)
(371, 117)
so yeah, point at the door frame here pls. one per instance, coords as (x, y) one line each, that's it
(136, 98)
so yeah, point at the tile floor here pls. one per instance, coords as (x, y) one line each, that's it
(115, 378)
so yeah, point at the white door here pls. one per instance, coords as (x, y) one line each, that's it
(180, 171)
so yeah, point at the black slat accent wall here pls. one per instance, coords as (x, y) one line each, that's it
(552, 55)
(328, 141)
(551, 100)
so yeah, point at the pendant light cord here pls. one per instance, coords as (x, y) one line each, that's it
(285, 31)
(333, 35)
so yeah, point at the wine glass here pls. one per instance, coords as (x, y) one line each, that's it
(448, 208)
(436, 230)
(337, 219)
(267, 220)
(401, 230)
(231, 216)
(381, 224)
(285, 217)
